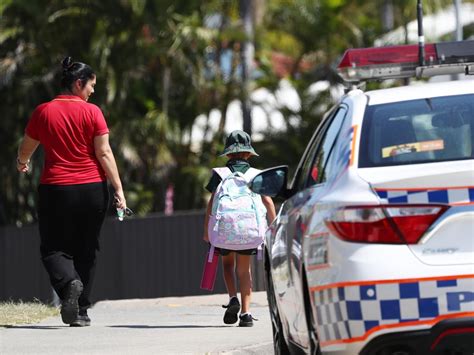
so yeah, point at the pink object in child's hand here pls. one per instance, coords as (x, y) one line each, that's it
(209, 272)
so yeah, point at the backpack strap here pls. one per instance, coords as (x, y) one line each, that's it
(222, 172)
(251, 173)
(225, 172)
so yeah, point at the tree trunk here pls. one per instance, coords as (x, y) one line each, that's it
(247, 55)
(166, 89)
(387, 15)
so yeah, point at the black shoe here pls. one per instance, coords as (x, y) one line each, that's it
(82, 319)
(246, 320)
(233, 308)
(69, 305)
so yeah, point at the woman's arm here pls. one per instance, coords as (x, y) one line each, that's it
(271, 214)
(26, 149)
(206, 219)
(106, 158)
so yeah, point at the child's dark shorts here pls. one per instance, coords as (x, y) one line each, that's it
(225, 252)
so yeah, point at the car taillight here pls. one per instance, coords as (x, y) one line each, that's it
(394, 224)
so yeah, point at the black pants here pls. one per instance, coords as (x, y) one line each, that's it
(70, 219)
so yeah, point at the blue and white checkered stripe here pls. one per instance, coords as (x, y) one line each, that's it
(448, 196)
(351, 311)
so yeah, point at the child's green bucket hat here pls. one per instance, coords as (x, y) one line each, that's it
(238, 141)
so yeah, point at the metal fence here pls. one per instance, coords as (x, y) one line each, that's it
(155, 256)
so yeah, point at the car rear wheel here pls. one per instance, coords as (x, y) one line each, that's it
(279, 344)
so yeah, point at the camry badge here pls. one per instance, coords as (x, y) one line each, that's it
(440, 250)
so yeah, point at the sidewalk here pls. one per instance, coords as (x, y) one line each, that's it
(177, 325)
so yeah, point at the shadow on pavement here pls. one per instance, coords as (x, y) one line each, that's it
(39, 327)
(166, 326)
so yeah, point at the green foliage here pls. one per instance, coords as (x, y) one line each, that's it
(158, 68)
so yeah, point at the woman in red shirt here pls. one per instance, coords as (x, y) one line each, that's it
(73, 193)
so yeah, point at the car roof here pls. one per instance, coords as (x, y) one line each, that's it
(419, 91)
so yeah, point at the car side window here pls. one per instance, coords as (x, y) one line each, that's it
(300, 179)
(317, 174)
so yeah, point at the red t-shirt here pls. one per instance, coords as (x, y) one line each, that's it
(66, 127)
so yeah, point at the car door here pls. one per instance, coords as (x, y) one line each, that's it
(294, 217)
(281, 245)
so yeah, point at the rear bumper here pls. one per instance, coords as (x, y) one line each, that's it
(448, 337)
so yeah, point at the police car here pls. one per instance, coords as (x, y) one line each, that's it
(372, 251)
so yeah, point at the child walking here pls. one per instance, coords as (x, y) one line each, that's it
(238, 150)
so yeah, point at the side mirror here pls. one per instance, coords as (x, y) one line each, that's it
(271, 182)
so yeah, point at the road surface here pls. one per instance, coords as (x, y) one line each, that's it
(178, 325)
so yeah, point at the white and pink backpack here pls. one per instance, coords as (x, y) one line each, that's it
(238, 217)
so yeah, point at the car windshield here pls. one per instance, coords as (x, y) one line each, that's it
(418, 131)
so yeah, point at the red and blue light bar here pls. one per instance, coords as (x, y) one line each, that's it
(378, 63)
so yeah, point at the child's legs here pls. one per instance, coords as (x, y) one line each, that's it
(228, 265)
(245, 280)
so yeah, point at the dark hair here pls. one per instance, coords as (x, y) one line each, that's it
(73, 71)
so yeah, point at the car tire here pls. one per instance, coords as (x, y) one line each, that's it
(280, 346)
(315, 349)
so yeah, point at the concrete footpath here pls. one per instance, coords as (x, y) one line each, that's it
(177, 325)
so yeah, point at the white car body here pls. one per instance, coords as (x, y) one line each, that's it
(360, 291)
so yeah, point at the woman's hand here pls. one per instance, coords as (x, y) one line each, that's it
(119, 199)
(22, 167)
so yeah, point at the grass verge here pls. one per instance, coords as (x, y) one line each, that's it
(24, 312)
